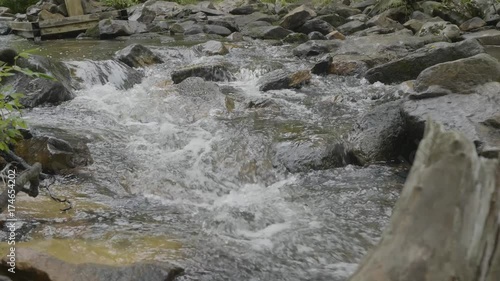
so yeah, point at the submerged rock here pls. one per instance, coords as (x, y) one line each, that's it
(410, 66)
(281, 79)
(211, 48)
(137, 55)
(210, 72)
(33, 265)
(194, 99)
(302, 156)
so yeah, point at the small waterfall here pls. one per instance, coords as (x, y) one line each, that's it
(88, 73)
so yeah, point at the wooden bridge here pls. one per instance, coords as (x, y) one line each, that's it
(76, 22)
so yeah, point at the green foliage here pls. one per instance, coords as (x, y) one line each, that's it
(10, 106)
(120, 4)
(17, 6)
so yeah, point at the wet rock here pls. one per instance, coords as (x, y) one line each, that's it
(211, 48)
(485, 37)
(359, 17)
(315, 35)
(319, 154)
(38, 91)
(242, 21)
(227, 22)
(413, 25)
(316, 25)
(410, 66)
(460, 76)
(55, 155)
(194, 99)
(351, 27)
(472, 114)
(242, 10)
(363, 4)
(33, 265)
(451, 13)
(4, 28)
(46, 15)
(333, 19)
(335, 35)
(383, 48)
(281, 79)
(382, 20)
(296, 38)
(216, 29)
(266, 32)
(348, 65)
(441, 28)
(379, 135)
(113, 28)
(193, 29)
(153, 9)
(297, 17)
(235, 36)
(340, 9)
(315, 47)
(137, 55)
(209, 72)
(5, 10)
(473, 23)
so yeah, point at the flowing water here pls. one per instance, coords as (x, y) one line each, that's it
(197, 184)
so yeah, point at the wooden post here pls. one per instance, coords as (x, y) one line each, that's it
(74, 7)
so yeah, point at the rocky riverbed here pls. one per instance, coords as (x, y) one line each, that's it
(241, 141)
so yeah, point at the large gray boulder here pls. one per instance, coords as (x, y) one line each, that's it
(282, 79)
(459, 76)
(297, 17)
(137, 55)
(410, 66)
(445, 223)
(209, 72)
(476, 115)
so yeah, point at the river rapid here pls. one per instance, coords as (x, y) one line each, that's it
(204, 191)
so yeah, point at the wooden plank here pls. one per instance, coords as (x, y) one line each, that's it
(21, 26)
(78, 19)
(74, 7)
(68, 28)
